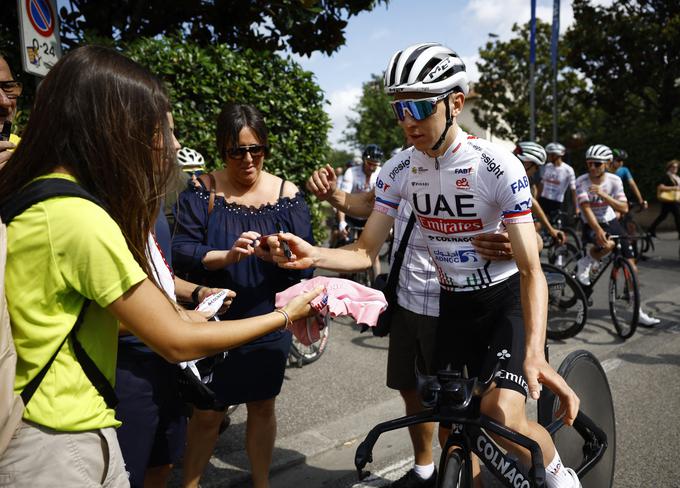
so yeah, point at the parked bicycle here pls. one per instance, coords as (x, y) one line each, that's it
(624, 291)
(642, 240)
(567, 303)
(455, 400)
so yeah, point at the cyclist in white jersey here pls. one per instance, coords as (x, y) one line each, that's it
(557, 177)
(460, 186)
(358, 179)
(600, 195)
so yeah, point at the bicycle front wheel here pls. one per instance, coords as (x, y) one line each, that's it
(453, 471)
(584, 374)
(303, 354)
(567, 304)
(624, 298)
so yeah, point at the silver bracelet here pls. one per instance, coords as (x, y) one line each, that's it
(288, 323)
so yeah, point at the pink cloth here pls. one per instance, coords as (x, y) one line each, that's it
(340, 297)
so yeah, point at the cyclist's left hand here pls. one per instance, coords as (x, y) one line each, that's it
(538, 372)
(494, 247)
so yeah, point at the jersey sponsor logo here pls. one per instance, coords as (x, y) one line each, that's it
(458, 256)
(463, 171)
(463, 184)
(420, 183)
(398, 168)
(450, 226)
(507, 469)
(419, 169)
(380, 184)
(520, 184)
(423, 205)
(450, 239)
(492, 166)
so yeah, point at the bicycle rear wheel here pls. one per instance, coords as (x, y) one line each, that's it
(302, 354)
(624, 298)
(567, 304)
(453, 471)
(584, 374)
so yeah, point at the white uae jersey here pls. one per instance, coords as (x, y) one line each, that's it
(612, 186)
(474, 187)
(555, 181)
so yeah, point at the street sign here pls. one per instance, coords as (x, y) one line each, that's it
(39, 28)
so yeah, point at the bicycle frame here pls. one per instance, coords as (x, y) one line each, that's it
(458, 404)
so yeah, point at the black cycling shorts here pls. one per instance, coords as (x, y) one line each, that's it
(613, 228)
(480, 328)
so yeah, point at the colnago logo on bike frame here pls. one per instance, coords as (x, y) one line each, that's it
(494, 458)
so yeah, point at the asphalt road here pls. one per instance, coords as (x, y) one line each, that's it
(326, 408)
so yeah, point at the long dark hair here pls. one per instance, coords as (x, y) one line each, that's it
(103, 117)
(232, 119)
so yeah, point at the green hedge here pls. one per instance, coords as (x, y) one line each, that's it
(202, 79)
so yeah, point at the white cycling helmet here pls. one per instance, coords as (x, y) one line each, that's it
(190, 159)
(555, 148)
(531, 152)
(427, 67)
(598, 152)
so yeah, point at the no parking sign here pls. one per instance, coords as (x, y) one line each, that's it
(40, 44)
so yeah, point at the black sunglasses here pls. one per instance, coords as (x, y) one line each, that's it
(256, 150)
(11, 88)
(595, 163)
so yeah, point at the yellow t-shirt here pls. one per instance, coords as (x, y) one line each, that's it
(59, 251)
(14, 139)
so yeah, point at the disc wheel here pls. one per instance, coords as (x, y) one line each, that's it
(584, 374)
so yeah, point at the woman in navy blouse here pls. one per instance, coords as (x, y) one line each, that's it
(218, 224)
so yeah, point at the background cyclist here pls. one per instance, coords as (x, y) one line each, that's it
(557, 177)
(600, 195)
(357, 179)
(617, 167)
(533, 157)
(429, 85)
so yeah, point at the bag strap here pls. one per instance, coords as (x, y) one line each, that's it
(40, 190)
(283, 182)
(393, 277)
(35, 192)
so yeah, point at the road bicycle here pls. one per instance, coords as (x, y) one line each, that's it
(642, 241)
(452, 399)
(567, 303)
(559, 254)
(301, 354)
(624, 291)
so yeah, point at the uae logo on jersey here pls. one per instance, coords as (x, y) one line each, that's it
(450, 226)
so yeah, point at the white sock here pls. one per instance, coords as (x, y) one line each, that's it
(556, 475)
(424, 472)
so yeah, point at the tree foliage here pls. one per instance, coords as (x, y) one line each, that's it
(304, 26)
(504, 87)
(630, 54)
(375, 122)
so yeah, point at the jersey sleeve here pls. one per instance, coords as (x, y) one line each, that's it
(513, 192)
(617, 189)
(572, 179)
(91, 252)
(347, 181)
(388, 186)
(582, 187)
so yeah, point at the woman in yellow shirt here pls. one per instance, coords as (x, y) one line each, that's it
(101, 120)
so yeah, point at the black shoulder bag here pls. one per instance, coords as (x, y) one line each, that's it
(388, 283)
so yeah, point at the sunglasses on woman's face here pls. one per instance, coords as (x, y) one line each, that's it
(256, 150)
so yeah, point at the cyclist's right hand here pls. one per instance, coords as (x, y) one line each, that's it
(323, 182)
(601, 238)
(299, 307)
(303, 253)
